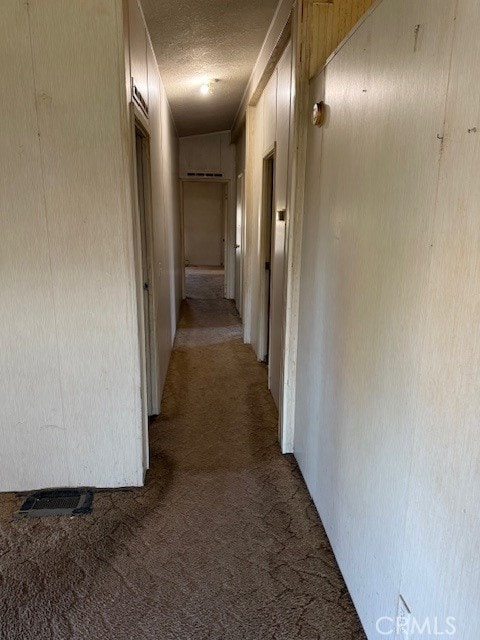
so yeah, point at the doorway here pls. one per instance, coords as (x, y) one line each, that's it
(267, 226)
(239, 244)
(204, 233)
(145, 262)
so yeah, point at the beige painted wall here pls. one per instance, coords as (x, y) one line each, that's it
(204, 223)
(388, 404)
(71, 411)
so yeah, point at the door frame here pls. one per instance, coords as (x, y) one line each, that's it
(240, 203)
(227, 191)
(149, 405)
(266, 245)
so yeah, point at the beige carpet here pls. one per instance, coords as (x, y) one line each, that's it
(204, 283)
(223, 543)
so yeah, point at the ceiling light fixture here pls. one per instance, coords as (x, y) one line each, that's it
(207, 87)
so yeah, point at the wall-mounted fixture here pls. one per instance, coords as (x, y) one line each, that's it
(318, 115)
(207, 87)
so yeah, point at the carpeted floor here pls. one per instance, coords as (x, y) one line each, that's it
(204, 283)
(222, 543)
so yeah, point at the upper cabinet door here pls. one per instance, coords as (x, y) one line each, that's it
(138, 52)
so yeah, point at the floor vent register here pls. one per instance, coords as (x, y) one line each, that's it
(58, 502)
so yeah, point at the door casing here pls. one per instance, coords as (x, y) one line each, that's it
(226, 254)
(266, 230)
(240, 242)
(144, 266)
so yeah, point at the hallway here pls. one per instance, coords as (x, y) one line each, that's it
(223, 542)
(204, 282)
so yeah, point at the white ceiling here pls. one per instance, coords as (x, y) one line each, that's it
(199, 40)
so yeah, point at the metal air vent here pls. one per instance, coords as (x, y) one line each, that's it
(194, 174)
(60, 502)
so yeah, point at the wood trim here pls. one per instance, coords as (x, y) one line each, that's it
(322, 26)
(332, 22)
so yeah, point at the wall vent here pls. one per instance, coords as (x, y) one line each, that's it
(199, 174)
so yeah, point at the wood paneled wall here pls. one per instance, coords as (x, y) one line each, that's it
(388, 403)
(331, 22)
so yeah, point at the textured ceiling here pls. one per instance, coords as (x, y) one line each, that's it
(200, 40)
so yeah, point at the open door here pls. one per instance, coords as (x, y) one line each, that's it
(145, 244)
(273, 261)
(267, 223)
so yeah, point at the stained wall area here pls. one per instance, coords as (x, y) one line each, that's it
(387, 405)
(70, 353)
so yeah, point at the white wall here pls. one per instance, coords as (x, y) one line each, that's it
(214, 154)
(268, 126)
(165, 209)
(388, 403)
(69, 356)
(277, 302)
(240, 151)
(209, 153)
(204, 223)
